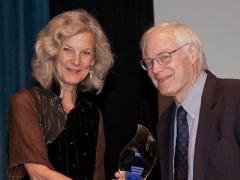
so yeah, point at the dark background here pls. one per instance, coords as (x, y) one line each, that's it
(128, 97)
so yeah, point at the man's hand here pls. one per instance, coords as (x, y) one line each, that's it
(126, 175)
(120, 175)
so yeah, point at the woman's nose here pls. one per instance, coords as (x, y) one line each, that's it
(76, 60)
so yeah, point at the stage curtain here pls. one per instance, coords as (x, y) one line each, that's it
(20, 22)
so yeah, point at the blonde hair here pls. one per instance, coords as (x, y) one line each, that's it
(182, 33)
(48, 43)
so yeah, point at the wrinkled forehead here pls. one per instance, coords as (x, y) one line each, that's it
(159, 40)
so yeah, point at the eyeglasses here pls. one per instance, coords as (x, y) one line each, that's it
(161, 58)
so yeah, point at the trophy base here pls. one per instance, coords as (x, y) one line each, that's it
(131, 176)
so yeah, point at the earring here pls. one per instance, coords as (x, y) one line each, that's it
(91, 73)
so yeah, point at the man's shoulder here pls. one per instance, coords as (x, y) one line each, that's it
(226, 82)
(229, 86)
(221, 90)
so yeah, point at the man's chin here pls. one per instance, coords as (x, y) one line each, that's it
(164, 92)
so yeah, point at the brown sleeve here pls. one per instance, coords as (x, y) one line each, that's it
(26, 142)
(99, 173)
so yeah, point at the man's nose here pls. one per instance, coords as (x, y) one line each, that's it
(156, 67)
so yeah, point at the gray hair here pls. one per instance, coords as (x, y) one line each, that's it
(182, 33)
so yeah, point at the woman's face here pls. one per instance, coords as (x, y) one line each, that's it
(75, 58)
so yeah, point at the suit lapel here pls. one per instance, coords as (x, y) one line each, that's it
(207, 118)
(165, 143)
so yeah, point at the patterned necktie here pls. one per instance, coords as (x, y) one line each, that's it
(181, 149)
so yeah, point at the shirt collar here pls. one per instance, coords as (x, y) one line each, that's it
(192, 101)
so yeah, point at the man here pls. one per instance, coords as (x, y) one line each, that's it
(206, 146)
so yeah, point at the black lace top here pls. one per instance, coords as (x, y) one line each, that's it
(73, 152)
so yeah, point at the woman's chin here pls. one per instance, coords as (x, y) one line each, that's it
(71, 83)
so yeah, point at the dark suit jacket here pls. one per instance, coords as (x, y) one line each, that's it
(217, 148)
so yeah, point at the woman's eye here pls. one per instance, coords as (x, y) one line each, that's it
(86, 53)
(67, 49)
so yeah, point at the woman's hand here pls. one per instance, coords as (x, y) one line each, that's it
(41, 172)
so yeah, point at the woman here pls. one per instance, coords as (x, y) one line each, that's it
(54, 133)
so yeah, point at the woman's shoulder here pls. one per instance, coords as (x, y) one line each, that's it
(23, 96)
(22, 100)
(20, 96)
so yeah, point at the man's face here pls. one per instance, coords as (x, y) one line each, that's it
(177, 77)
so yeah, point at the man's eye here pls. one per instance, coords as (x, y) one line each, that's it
(164, 57)
(147, 63)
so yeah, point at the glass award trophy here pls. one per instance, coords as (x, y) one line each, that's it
(139, 155)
